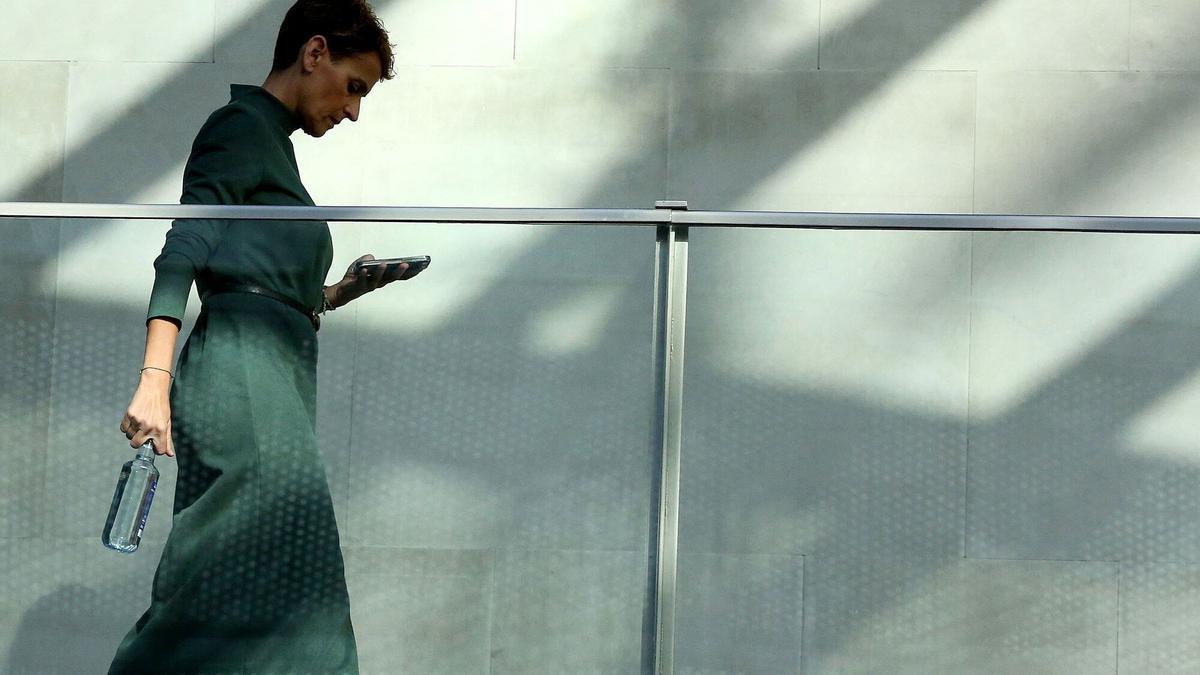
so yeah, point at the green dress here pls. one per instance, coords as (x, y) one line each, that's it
(251, 579)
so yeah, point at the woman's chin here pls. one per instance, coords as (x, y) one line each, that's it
(317, 132)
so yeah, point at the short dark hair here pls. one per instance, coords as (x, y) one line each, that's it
(348, 26)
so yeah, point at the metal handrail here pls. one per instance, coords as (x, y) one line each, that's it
(424, 214)
(608, 216)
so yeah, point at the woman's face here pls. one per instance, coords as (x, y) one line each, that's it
(333, 89)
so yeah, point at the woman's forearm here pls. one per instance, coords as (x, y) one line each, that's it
(148, 416)
(161, 335)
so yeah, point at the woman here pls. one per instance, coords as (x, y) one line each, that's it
(252, 578)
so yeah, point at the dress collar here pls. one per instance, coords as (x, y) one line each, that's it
(266, 103)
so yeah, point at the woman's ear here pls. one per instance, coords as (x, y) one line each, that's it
(314, 50)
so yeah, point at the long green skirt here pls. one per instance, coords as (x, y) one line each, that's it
(251, 579)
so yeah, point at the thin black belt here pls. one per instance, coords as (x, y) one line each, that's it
(308, 312)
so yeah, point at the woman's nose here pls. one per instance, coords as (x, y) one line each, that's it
(352, 110)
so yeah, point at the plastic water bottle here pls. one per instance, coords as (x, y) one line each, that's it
(131, 503)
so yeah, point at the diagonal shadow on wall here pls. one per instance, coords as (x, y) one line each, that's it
(149, 172)
(468, 318)
(1138, 122)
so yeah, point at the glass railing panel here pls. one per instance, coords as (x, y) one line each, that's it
(27, 316)
(485, 440)
(935, 451)
(73, 299)
(824, 418)
(893, 442)
(507, 472)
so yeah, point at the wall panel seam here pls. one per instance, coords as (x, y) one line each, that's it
(820, 10)
(966, 468)
(1129, 38)
(514, 31)
(803, 607)
(491, 615)
(212, 43)
(1117, 659)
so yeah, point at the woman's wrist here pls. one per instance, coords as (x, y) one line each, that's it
(329, 298)
(156, 376)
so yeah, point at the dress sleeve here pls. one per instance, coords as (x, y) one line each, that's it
(225, 167)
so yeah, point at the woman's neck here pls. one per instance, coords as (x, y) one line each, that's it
(283, 85)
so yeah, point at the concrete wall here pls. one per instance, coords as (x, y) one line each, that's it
(903, 452)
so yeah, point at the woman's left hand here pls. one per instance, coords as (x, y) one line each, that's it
(358, 282)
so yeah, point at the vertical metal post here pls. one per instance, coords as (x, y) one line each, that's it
(669, 314)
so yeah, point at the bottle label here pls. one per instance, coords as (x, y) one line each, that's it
(146, 508)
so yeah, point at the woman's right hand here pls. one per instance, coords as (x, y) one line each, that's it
(358, 282)
(149, 413)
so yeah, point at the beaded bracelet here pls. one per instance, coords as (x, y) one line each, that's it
(326, 305)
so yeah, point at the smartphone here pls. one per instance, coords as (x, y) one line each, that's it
(416, 263)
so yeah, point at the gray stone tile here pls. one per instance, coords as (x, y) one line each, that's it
(246, 32)
(442, 33)
(738, 614)
(508, 391)
(1083, 357)
(65, 605)
(516, 137)
(119, 30)
(823, 141)
(27, 276)
(1163, 34)
(1019, 35)
(28, 264)
(768, 34)
(420, 611)
(959, 616)
(569, 611)
(1087, 143)
(451, 32)
(132, 147)
(1159, 618)
(32, 116)
(24, 402)
(825, 393)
